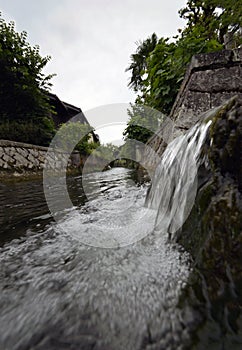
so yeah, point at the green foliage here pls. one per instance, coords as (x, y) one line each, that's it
(216, 17)
(28, 131)
(109, 152)
(142, 123)
(138, 64)
(23, 86)
(76, 131)
(167, 66)
(128, 151)
(158, 69)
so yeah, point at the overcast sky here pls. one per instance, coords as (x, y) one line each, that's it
(90, 41)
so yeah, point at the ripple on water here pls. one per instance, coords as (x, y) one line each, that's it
(57, 293)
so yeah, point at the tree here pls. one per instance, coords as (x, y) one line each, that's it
(107, 152)
(142, 123)
(217, 17)
(71, 131)
(157, 74)
(23, 85)
(167, 66)
(138, 64)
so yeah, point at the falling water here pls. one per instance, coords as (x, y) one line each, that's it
(174, 186)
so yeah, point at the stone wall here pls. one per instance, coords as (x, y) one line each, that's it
(211, 79)
(20, 158)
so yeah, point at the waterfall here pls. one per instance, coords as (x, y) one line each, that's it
(174, 186)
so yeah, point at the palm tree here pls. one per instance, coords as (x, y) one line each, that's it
(138, 61)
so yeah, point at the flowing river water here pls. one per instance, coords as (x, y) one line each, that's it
(59, 291)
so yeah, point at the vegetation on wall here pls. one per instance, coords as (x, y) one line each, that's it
(158, 66)
(25, 112)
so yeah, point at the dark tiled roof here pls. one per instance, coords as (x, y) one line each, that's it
(64, 111)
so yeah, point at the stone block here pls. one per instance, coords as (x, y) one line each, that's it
(12, 151)
(42, 156)
(237, 55)
(194, 103)
(216, 80)
(7, 151)
(41, 160)
(35, 153)
(21, 161)
(31, 158)
(219, 58)
(218, 98)
(1, 163)
(34, 161)
(30, 166)
(18, 150)
(8, 159)
(22, 151)
(193, 98)
(41, 165)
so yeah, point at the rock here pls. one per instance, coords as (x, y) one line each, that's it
(213, 231)
(22, 151)
(35, 153)
(1, 163)
(8, 159)
(210, 80)
(205, 81)
(31, 158)
(21, 161)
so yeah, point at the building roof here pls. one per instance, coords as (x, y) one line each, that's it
(64, 111)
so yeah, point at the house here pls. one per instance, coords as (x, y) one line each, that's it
(64, 111)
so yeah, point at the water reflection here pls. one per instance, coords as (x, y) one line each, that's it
(23, 204)
(57, 293)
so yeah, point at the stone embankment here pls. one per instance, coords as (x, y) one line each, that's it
(21, 159)
(211, 79)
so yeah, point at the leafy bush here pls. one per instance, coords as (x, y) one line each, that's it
(28, 132)
(76, 131)
(142, 123)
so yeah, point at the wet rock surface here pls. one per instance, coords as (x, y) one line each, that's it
(213, 231)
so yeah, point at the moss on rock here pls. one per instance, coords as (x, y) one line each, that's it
(213, 231)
